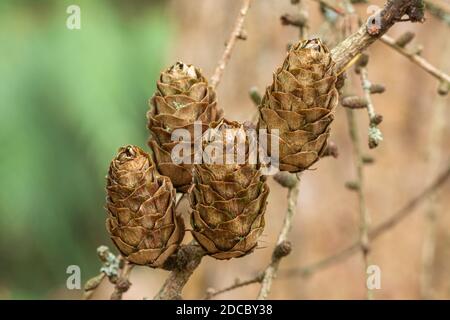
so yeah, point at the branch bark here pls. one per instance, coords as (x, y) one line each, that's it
(283, 247)
(417, 59)
(186, 261)
(234, 36)
(363, 210)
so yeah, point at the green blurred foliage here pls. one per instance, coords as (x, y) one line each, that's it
(68, 100)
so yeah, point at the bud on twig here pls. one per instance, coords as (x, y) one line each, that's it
(376, 120)
(416, 50)
(331, 150)
(375, 136)
(282, 249)
(286, 179)
(354, 102)
(404, 39)
(366, 159)
(242, 35)
(255, 95)
(352, 185)
(443, 88)
(362, 62)
(340, 81)
(297, 20)
(377, 88)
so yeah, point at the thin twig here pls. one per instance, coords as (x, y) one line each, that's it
(375, 135)
(417, 59)
(363, 211)
(374, 233)
(331, 6)
(238, 284)
(271, 271)
(364, 218)
(303, 11)
(234, 36)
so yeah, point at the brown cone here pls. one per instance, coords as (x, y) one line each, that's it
(140, 203)
(300, 104)
(228, 202)
(183, 96)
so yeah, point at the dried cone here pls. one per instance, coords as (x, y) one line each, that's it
(228, 201)
(141, 216)
(183, 96)
(300, 104)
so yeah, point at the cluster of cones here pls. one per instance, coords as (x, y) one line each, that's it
(228, 201)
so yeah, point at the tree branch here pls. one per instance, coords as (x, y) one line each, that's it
(234, 36)
(360, 40)
(185, 262)
(417, 59)
(377, 25)
(363, 210)
(283, 247)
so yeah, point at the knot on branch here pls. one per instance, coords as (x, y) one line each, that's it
(282, 250)
(122, 286)
(354, 102)
(297, 20)
(286, 179)
(393, 12)
(405, 38)
(415, 11)
(331, 150)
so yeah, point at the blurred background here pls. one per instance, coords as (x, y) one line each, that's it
(70, 98)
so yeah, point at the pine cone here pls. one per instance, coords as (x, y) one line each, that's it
(183, 96)
(300, 104)
(228, 201)
(140, 203)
